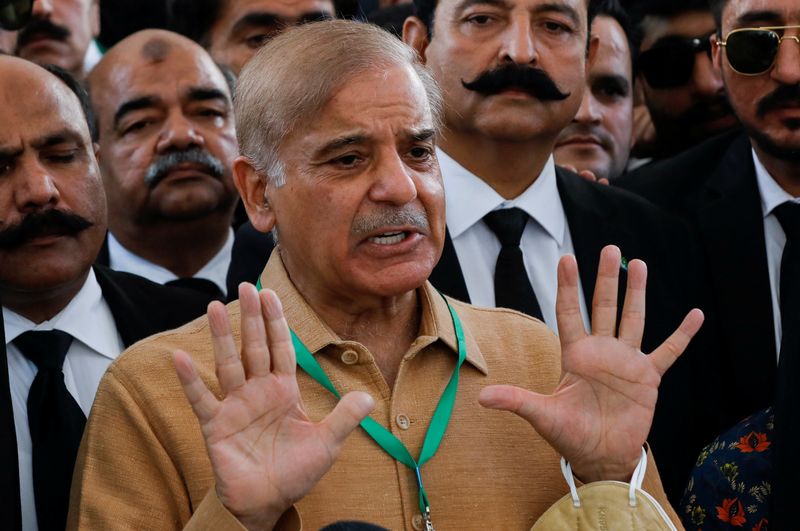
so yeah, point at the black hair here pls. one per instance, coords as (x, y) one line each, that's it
(426, 9)
(194, 18)
(82, 95)
(717, 6)
(614, 9)
(664, 9)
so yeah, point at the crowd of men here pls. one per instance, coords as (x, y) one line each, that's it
(489, 239)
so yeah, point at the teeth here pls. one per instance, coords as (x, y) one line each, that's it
(388, 238)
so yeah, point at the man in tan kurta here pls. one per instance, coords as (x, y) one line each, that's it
(357, 200)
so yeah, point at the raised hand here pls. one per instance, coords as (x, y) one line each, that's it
(265, 452)
(600, 413)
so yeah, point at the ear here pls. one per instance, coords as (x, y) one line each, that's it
(591, 52)
(415, 34)
(252, 188)
(94, 17)
(716, 52)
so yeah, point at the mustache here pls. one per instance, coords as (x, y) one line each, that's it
(601, 134)
(534, 81)
(780, 97)
(41, 26)
(46, 223)
(388, 216)
(163, 165)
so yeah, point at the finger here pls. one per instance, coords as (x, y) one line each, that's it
(204, 404)
(588, 175)
(255, 354)
(568, 306)
(604, 302)
(228, 364)
(345, 417)
(278, 337)
(604, 181)
(631, 326)
(669, 351)
(527, 404)
(569, 167)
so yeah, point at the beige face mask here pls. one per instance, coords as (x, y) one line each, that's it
(605, 506)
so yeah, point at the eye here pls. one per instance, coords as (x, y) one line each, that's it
(136, 126)
(556, 27)
(63, 157)
(5, 168)
(420, 153)
(347, 161)
(479, 20)
(257, 41)
(211, 113)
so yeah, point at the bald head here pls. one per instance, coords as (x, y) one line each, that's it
(164, 110)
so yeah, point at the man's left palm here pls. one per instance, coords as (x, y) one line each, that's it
(600, 413)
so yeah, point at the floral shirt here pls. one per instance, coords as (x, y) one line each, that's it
(731, 483)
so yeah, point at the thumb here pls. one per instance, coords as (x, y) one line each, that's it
(346, 416)
(531, 406)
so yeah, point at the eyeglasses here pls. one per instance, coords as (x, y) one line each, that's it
(15, 13)
(670, 62)
(753, 51)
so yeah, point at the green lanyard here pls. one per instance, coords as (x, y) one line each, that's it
(385, 439)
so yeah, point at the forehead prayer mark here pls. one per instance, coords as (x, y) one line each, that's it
(156, 49)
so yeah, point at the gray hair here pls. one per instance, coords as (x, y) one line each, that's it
(291, 79)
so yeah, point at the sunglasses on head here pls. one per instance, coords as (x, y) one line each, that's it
(14, 14)
(670, 62)
(753, 51)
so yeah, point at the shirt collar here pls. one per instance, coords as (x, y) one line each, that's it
(216, 270)
(436, 323)
(469, 198)
(772, 195)
(85, 318)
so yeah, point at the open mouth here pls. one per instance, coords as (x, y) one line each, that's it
(388, 238)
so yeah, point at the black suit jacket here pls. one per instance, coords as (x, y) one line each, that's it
(597, 216)
(714, 188)
(140, 308)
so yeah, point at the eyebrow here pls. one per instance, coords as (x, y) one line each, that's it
(134, 105)
(338, 143)
(207, 93)
(752, 17)
(421, 136)
(466, 4)
(618, 80)
(64, 136)
(554, 7)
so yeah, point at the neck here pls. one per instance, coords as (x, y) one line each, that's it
(386, 326)
(38, 307)
(508, 167)
(182, 247)
(786, 173)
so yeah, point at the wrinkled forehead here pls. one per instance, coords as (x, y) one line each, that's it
(33, 105)
(238, 11)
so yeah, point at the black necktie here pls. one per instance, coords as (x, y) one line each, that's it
(56, 424)
(787, 400)
(198, 284)
(512, 288)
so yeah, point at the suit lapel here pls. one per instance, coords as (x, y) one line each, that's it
(447, 276)
(731, 224)
(127, 316)
(591, 229)
(10, 511)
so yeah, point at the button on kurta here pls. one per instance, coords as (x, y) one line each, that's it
(403, 422)
(417, 522)
(349, 357)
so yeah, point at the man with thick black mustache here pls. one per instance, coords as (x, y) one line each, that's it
(740, 193)
(513, 73)
(167, 144)
(61, 32)
(64, 321)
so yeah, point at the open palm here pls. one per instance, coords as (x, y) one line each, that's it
(600, 413)
(265, 452)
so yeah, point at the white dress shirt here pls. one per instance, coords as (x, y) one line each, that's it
(216, 270)
(772, 195)
(545, 240)
(96, 343)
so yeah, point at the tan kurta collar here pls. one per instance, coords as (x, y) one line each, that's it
(436, 323)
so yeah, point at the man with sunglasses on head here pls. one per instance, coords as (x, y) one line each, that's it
(682, 89)
(740, 192)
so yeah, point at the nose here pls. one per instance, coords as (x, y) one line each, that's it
(518, 42)
(706, 78)
(395, 183)
(589, 111)
(179, 133)
(43, 8)
(786, 69)
(35, 188)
